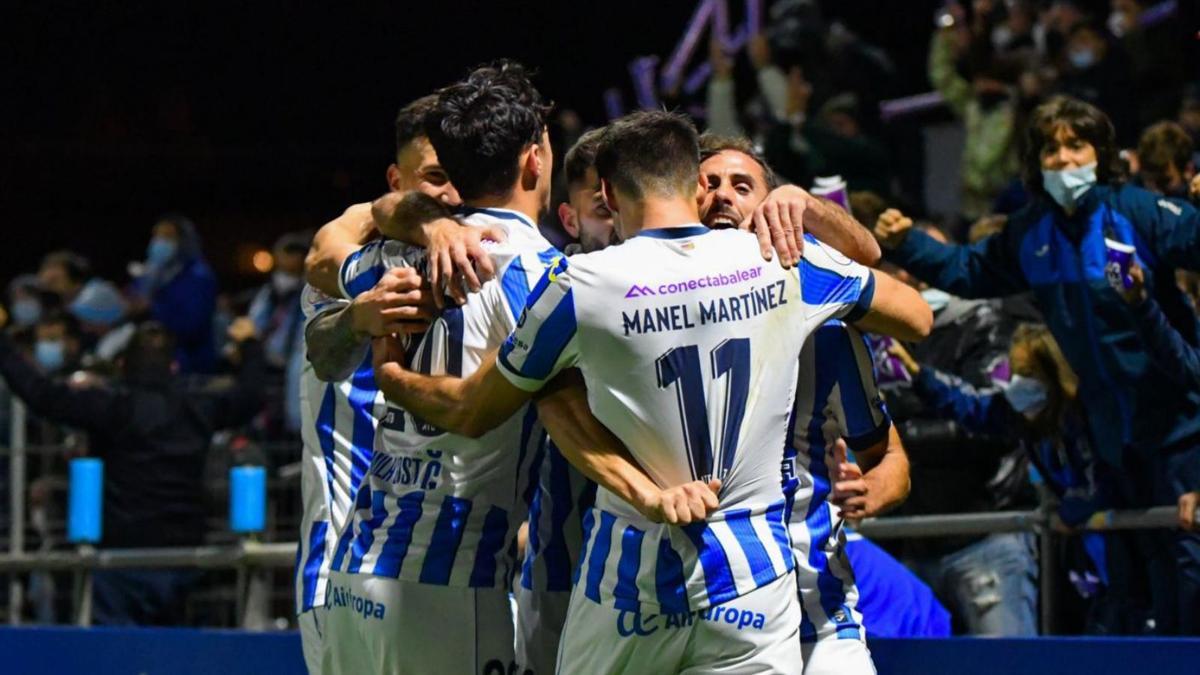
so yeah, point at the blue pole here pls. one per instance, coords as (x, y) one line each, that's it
(84, 514)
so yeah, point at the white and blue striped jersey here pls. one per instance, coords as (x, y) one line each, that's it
(560, 499)
(438, 508)
(836, 397)
(338, 434)
(689, 344)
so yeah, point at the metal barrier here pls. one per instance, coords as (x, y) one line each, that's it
(247, 556)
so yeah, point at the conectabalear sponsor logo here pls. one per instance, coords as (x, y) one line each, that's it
(708, 281)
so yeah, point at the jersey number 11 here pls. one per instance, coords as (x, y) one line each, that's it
(680, 367)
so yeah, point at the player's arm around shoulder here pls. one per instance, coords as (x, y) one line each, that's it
(897, 310)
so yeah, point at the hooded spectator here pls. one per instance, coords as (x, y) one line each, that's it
(179, 290)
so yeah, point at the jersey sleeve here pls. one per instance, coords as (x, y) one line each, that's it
(545, 340)
(314, 303)
(832, 286)
(857, 403)
(364, 268)
(519, 273)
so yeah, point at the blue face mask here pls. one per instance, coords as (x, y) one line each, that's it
(936, 298)
(1067, 185)
(1082, 59)
(160, 251)
(26, 312)
(1026, 395)
(50, 354)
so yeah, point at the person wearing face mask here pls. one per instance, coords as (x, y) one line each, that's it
(24, 301)
(276, 313)
(176, 287)
(153, 435)
(1097, 70)
(988, 582)
(1056, 248)
(57, 346)
(1039, 410)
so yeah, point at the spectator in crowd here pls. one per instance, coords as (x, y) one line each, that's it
(1164, 159)
(1056, 248)
(1097, 70)
(1039, 411)
(63, 274)
(987, 582)
(25, 303)
(278, 318)
(153, 437)
(177, 288)
(987, 104)
(832, 142)
(1152, 46)
(58, 344)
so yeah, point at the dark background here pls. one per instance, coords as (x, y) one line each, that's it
(262, 117)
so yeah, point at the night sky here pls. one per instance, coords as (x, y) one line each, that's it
(257, 118)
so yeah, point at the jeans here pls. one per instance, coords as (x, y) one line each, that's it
(140, 597)
(989, 586)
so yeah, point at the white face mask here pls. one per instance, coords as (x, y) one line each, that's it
(936, 298)
(1066, 186)
(284, 282)
(1026, 395)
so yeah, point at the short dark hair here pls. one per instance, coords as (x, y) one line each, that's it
(713, 144)
(650, 151)
(76, 266)
(480, 126)
(1087, 122)
(410, 121)
(57, 316)
(1162, 145)
(581, 157)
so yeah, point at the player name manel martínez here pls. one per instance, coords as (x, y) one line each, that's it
(682, 316)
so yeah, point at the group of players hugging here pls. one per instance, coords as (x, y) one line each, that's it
(644, 439)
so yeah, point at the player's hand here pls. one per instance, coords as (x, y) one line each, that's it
(851, 492)
(906, 359)
(399, 303)
(778, 222)
(242, 329)
(457, 258)
(1187, 510)
(683, 504)
(892, 228)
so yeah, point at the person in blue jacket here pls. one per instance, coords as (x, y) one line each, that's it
(1141, 421)
(179, 290)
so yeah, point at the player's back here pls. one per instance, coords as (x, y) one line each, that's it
(439, 508)
(688, 341)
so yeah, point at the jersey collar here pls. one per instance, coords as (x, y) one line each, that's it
(677, 232)
(501, 214)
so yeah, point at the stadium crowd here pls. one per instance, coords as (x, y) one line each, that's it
(1049, 376)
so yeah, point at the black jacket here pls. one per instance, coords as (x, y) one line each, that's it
(153, 439)
(953, 470)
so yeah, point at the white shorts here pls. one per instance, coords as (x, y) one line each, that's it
(310, 638)
(755, 633)
(540, 619)
(380, 625)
